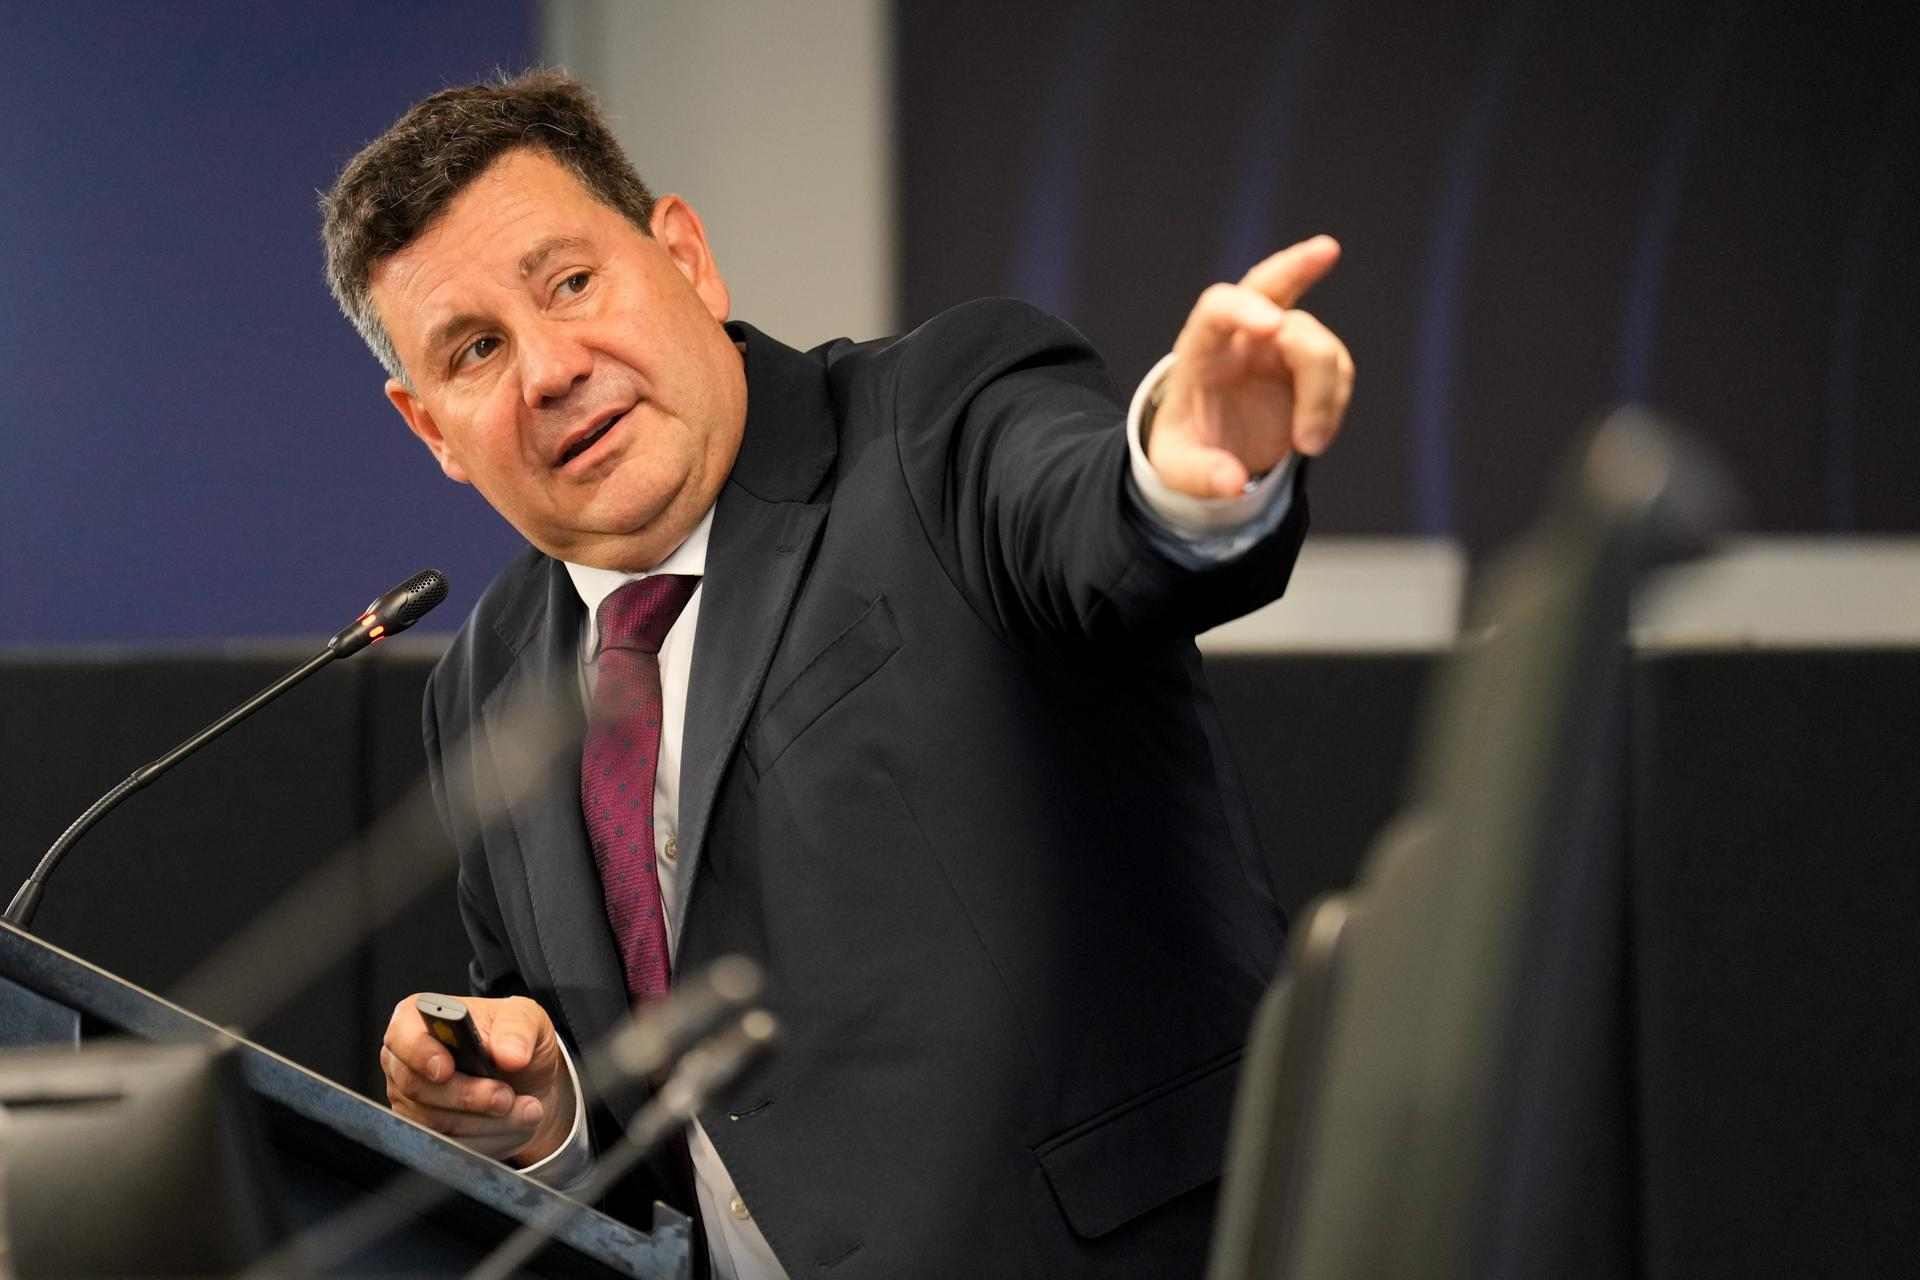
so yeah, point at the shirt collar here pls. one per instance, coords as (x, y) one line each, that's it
(595, 585)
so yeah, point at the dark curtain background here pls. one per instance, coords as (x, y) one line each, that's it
(1545, 208)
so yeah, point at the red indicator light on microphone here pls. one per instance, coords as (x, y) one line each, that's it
(376, 633)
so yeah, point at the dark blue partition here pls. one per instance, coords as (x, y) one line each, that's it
(192, 442)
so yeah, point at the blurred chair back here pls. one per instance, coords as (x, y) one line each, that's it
(1438, 1086)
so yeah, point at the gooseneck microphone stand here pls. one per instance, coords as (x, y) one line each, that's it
(387, 615)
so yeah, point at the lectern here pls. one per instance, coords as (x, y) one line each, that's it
(332, 1151)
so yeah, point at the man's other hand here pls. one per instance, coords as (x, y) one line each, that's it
(1255, 380)
(523, 1117)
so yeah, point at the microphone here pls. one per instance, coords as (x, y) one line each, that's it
(654, 1040)
(713, 1063)
(392, 613)
(387, 615)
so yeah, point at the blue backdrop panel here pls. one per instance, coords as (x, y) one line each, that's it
(192, 442)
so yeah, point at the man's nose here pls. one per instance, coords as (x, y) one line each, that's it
(552, 363)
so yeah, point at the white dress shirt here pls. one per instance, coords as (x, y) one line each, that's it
(1192, 531)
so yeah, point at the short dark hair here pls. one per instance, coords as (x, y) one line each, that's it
(404, 179)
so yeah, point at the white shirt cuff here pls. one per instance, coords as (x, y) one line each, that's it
(568, 1166)
(1210, 530)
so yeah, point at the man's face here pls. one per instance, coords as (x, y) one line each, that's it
(569, 367)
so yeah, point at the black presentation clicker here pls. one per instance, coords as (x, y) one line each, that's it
(451, 1024)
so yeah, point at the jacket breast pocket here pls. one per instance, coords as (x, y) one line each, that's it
(1144, 1152)
(830, 675)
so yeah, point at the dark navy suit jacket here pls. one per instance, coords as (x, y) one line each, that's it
(951, 774)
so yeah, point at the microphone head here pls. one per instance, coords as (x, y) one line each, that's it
(391, 612)
(409, 602)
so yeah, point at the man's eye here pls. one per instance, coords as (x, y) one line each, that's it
(479, 349)
(577, 282)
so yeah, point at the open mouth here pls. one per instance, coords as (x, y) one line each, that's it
(587, 442)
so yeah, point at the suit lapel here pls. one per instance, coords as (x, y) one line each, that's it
(765, 525)
(568, 911)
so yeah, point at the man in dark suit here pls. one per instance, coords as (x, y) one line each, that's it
(920, 719)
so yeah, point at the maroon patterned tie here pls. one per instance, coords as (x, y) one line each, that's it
(616, 771)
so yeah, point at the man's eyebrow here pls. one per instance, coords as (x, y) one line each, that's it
(449, 329)
(531, 260)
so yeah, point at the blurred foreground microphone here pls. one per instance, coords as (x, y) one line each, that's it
(722, 1037)
(387, 615)
(629, 1067)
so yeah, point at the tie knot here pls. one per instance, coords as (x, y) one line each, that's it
(639, 615)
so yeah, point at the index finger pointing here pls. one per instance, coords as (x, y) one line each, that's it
(1291, 272)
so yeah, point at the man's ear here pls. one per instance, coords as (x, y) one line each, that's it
(421, 423)
(680, 232)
